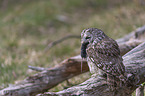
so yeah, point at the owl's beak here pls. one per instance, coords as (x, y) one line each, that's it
(84, 40)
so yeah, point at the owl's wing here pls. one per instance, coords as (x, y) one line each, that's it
(106, 56)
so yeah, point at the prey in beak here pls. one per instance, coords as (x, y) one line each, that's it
(83, 50)
(83, 53)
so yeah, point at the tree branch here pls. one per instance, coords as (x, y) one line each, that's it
(50, 45)
(37, 68)
(47, 79)
(137, 34)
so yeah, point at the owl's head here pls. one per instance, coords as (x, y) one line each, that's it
(88, 37)
(91, 34)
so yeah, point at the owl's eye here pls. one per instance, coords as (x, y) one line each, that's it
(88, 37)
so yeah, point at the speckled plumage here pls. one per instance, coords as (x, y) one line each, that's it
(101, 51)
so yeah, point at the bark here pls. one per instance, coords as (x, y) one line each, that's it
(134, 62)
(140, 91)
(48, 78)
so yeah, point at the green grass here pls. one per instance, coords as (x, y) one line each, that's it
(26, 29)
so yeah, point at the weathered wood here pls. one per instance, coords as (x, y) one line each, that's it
(47, 79)
(69, 68)
(140, 91)
(97, 85)
(137, 34)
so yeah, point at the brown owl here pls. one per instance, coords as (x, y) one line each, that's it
(101, 52)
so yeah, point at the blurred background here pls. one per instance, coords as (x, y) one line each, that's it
(28, 26)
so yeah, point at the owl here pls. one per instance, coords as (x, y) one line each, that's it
(101, 52)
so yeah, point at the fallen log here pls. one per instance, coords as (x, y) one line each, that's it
(140, 91)
(134, 62)
(50, 77)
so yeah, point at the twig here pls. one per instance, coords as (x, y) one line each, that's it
(40, 69)
(50, 45)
